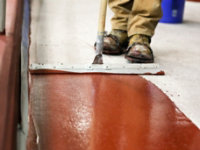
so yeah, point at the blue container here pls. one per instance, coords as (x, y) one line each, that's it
(173, 11)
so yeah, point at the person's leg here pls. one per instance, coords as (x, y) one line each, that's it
(121, 10)
(117, 41)
(142, 22)
(144, 17)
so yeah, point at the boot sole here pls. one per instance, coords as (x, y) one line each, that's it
(139, 60)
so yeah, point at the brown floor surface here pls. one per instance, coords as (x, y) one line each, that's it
(106, 112)
(2, 47)
(10, 45)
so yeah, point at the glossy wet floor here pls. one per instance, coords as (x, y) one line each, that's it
(105, 112)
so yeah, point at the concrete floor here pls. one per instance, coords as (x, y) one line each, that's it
(64, 32)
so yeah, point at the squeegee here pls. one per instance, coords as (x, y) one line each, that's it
(98, 66)
(100, 34)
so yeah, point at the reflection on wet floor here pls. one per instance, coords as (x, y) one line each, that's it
(106, 112)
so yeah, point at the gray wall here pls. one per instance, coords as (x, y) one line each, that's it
(2, 14)
(23, 127)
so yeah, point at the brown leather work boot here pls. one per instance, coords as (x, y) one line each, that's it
(139, 50)
(115, 43)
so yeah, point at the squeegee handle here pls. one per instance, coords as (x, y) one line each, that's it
(101, 26)
(102, 17)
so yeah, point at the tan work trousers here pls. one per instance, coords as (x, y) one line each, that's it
(136, 16)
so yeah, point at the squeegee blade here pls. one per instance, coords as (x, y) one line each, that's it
(99, 68)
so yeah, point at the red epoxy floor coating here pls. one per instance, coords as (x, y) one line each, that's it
(105, 112)
(2, 47)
